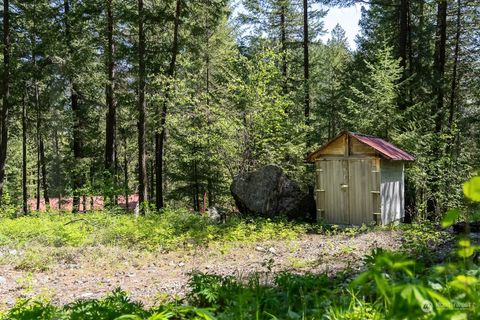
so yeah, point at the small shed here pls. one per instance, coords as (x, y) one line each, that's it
(359, 179)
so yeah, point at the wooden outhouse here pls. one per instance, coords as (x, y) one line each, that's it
(359, 179)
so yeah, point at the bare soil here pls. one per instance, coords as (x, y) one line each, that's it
(149, 276)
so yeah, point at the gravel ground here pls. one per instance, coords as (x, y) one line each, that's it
(148, 277)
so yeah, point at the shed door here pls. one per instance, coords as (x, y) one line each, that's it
(332, 191)
(348, 191)
(364, 195)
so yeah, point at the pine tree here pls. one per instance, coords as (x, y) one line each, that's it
(329, 75)
(372, 108)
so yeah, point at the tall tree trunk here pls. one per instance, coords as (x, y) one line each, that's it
(151, 186)
(437, 106)
(402, 47)
(452, 144)
(92, 181)
(110, 144)
(306, 62)
(37, 107)
(38, 145)
(5, 94)
(142, 165)
(439, 64)
(211, 200)
(77, 144)
(57, 161)
(410, 191)
(44, 173)
(283, 40)
(125, 173)
(24, 157)
(77, 149)
(196, 192)
(403, 32)
(160, 137)
(115, 169)
(410, 53)
(453, 91)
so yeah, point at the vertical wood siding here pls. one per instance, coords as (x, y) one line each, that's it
(347, 191)
(332, 195)
(392, 190)
(363, 195)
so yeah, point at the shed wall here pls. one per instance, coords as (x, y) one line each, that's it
(392, 191)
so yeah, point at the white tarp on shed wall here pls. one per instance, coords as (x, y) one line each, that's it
(391, 190)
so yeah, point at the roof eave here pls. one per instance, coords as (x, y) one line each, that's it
(313, 156)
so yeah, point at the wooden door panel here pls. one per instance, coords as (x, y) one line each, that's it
(364, 190)
(336, 191)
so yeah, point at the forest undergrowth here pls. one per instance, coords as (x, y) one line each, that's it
(409, 282)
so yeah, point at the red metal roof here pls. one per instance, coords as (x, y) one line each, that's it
(384, 148)
(387, 149)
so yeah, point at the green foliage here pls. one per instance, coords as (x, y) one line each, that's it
(111, 307)
(421, 239)
(393, 286)
(373, 109)
(450, 217)
(272, 131)
(9, 208)
(471, 189)
(28, 309)
(168, 230)
(115, 306)
(329, 84)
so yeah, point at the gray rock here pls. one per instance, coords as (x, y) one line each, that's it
(268, 192)
(217, 214)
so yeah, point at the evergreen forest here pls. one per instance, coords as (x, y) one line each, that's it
(123, 122)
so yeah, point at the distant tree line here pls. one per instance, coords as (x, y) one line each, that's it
(171, 99)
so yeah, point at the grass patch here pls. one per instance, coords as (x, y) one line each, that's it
(423, 240)
(168, 230)
(33, 260)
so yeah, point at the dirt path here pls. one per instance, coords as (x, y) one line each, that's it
(92, 272)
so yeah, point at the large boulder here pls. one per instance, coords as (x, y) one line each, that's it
(267, 192)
